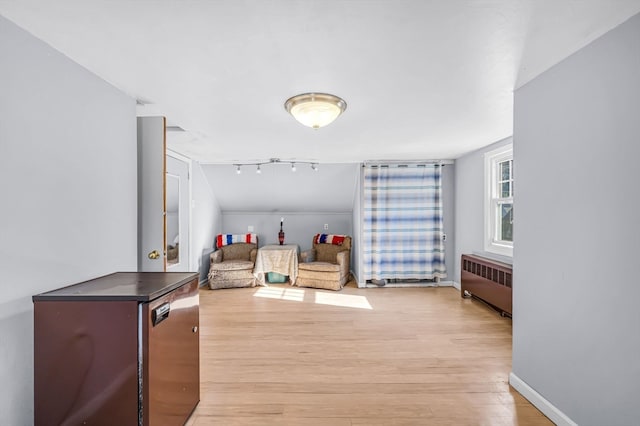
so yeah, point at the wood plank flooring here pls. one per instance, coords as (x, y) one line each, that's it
(283, 355)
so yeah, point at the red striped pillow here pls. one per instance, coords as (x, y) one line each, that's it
(226, 239)
(328, 239)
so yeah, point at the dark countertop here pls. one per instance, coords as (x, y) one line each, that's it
(134, 286)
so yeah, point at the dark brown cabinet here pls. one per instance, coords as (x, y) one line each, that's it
(488, 280)
(121, 349)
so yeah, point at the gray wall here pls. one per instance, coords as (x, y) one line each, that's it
(469, 207)
(68, 185)
(575, 328)
(299, 227)
(206, 221)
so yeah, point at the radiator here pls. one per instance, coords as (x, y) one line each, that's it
(487, 280)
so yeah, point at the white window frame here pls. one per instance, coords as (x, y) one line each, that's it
(491, 200)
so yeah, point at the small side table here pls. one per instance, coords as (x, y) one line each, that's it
(275, 258)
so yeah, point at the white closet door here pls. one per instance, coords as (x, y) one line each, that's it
(151, 194)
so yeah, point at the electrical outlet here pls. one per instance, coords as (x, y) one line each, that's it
(444, 237)
(250, 228)
(326, 226)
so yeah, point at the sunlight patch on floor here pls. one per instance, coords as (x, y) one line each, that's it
(346, 300)
(280, 293)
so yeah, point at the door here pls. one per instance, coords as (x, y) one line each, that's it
(151, 194)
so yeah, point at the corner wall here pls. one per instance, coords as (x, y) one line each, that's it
(575, 326)
(69, 196)
(448, 219)
(356, 219)
(206, 221)
(469, 206)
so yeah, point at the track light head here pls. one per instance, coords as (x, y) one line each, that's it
(258, 164)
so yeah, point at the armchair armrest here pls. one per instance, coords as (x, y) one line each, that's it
(308, 256)
(216, 256)
(253, 255)
(343, 260)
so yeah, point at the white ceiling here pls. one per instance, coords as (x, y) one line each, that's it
(422, 79)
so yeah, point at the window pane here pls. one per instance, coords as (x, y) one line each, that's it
(506, 222)
(505, 191)
(505, 170)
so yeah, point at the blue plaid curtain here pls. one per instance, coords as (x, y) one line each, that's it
(402, 231)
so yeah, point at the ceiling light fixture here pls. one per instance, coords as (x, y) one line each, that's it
(315, 110)
(314, 165)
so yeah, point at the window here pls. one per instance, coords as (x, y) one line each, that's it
(499, 201)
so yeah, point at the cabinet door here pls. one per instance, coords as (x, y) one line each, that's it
(85, 363)
(171, 387)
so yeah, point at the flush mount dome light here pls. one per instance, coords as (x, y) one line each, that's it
(315, 109)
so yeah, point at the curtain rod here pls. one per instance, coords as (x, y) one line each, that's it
(408, 162)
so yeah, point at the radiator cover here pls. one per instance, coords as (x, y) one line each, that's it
(488, 280)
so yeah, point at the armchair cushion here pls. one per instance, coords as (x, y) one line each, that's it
(320, 267)
(234, 265)
(237, 251)
(328, 252)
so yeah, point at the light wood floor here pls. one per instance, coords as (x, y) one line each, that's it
(283, 355)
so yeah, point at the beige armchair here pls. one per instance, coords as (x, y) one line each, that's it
(231, 265)
(326, 265)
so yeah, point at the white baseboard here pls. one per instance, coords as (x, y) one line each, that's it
(456, 285)
(547, 408)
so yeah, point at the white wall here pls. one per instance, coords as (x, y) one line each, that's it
(577, 146)
(469, 207)
(68, 185)
(206, 221)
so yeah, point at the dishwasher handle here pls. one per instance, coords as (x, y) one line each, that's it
(160, 313)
